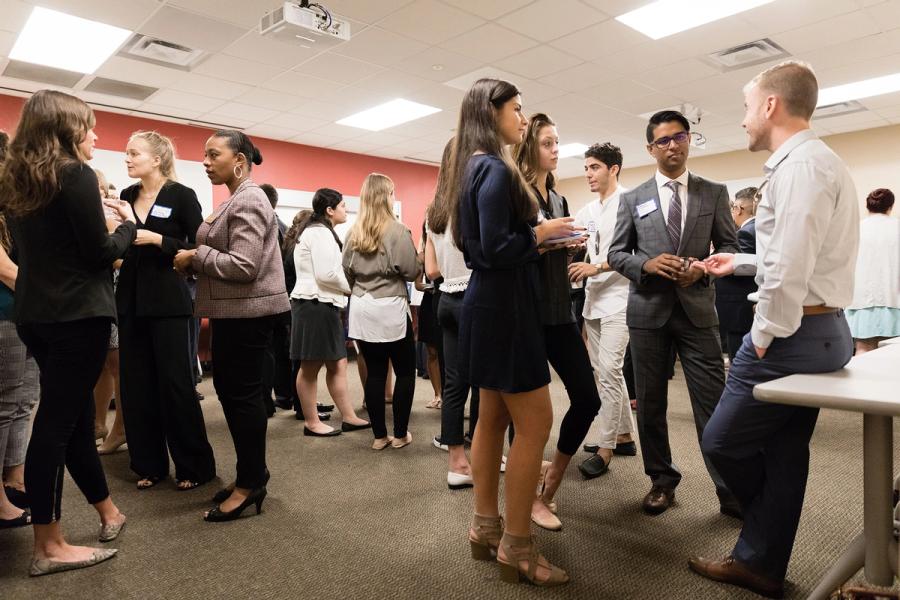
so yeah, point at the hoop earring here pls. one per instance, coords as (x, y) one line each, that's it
(238, 171)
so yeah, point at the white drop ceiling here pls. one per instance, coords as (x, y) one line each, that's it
(570, 58)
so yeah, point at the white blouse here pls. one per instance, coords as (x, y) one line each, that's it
(450, 260)
(320, 275)
(878, 263)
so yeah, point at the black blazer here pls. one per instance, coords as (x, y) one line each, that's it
(65, 254)
(148, 284)
(735, 311)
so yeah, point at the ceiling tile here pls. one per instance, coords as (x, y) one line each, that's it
(294, 121)
(185, 100)
(534, 91)
(784, 16)
(339, 132)
(379, 46)
(112, 12)
(245, 112)
(191, 30)
(642, 57)
(882, 101)
(124, 104)
(662, 78)
(208, 86)
(365, 11)
(321, 110)
(831, 31)
(226, 122)
(338, 68)
(489, 10)
(385, 138)
(886, 14)
(430, 22)
(271, 132)
(277, 101)
(538, 62)
(547, 20)
(7, 41)
(239, 12)
(617, 89)
(437, 64)
(159, 110)
(355, 146)
(15, 14)
(489, 43)
(269, 52)
(600, 40)
(876, 67)
(237, 69)
(301, 84)
(614, 8)
(133, 71)
(713, 37)
(850, 52)
(314, 139)
(577, 78)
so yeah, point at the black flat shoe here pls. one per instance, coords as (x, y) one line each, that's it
(20, 521)
(322, 416)
(223, 494)
(591, 448)
(309, 432)
(256, 497)
(283, 403)
(626, 449)
(593, 467)
(352, 427)
(18, 498)
(324, 408)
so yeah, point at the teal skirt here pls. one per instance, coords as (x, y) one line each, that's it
(877, 321)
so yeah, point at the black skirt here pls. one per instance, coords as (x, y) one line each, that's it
(429, 331)
(316, 331)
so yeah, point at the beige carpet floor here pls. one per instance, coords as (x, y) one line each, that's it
(343, 521)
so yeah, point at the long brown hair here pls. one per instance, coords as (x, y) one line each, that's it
(477, 131)
(375, 214)
(444, 205)
(528, 153)
(46, 143)
(293, 233)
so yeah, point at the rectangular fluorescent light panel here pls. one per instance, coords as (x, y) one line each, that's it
(388, 115)
(867, 88)
(570, 150)
(666, 17)
(58, 40)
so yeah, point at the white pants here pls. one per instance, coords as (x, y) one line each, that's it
(607, 340)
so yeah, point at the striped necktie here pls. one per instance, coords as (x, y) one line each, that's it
(673, 224)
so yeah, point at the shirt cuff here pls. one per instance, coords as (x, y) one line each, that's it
(760, 338)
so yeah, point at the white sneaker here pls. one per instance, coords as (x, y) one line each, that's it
(436, 442)
(458, 481)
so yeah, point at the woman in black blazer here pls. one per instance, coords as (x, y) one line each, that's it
(64, 307)
(154, 304)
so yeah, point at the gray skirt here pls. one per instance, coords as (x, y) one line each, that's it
(316, 331)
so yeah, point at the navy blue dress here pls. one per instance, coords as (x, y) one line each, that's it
(501, 337)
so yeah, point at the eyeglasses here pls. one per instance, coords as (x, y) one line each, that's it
(679, 138)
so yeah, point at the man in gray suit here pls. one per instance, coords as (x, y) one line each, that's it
(662, 225)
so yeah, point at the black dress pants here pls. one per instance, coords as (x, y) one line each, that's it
(568, 356)
(455, 390)
(160, 405)
(238, 353)
(277, 365)
(402, 354)
(70, 356)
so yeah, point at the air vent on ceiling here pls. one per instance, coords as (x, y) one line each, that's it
(31, 72)
(111, 87)
(836, 110)
(160, 52)
(746, 55)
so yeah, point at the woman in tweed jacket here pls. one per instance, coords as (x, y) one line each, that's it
(240, 287)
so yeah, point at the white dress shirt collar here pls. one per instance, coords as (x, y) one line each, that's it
(662, 180)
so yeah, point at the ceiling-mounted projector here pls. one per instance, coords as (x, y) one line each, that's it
(312, 25)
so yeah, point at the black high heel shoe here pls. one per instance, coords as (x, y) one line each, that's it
(223, 494)
(256, 497)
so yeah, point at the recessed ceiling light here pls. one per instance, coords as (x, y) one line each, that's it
(388, 115)
(860, 89)
(570, 150)
(666, 17)
(55, 39)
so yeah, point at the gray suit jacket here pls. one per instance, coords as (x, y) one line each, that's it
(638, 239)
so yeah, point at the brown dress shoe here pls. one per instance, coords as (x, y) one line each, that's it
(728, 570)
(658, 500)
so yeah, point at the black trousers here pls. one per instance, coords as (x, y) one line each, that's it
(628, 373)
(402, 354)
(701, 359)
(239, 350)
(159, 402)
(569, 358)
(277, 366)
(455, 390)
(70, 356)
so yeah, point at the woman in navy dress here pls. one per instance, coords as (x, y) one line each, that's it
(501, 345)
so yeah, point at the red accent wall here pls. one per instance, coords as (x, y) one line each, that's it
(285, 165)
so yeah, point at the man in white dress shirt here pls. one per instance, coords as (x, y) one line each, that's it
(807, 232)
(606, 297)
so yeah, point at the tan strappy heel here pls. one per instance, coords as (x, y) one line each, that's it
(517, 549)
(484, 536)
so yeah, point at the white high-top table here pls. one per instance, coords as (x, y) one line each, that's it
(889, 342)
(869, 384)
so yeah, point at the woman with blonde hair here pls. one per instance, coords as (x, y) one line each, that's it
(160, 406)
(379, 258)
(64, 306)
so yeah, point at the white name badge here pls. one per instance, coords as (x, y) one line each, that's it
(162, 212)
(645, 208)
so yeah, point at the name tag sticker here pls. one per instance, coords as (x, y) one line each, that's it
(162, 212)
(645, 208)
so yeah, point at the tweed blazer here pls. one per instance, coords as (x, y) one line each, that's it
(238, 261)
(638, 238)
